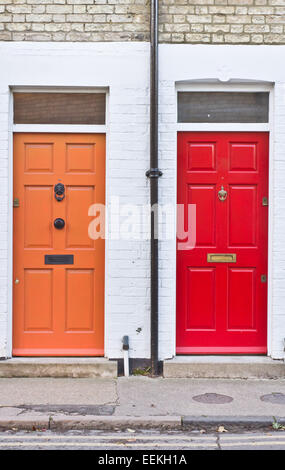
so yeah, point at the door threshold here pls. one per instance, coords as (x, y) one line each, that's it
(224, 367)
(65, 367)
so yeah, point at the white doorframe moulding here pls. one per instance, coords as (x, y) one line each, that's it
(42, 128)
(242, 127)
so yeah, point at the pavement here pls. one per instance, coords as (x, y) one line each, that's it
(141, 403)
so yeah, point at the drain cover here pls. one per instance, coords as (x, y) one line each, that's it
(278, 398)
(214, 398)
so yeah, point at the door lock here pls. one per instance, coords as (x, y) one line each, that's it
(17, 281)
(265, 201)
(16, 202)
(59, 223)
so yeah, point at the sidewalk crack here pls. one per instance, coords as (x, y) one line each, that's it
(117, 401)
(218, 442)
(50, 420)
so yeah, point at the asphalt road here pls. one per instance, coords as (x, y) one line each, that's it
(147, 440)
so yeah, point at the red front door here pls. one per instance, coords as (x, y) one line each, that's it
(221, 288)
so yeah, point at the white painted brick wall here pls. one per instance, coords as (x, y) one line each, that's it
(186, 63)
(4, 137)
(124, 68)
(278, 265)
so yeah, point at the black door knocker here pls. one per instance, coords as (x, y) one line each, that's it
(59, 191)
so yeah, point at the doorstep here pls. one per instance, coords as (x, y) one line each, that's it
(76, 367)
(224, 367)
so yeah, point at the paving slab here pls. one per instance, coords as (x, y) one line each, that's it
(139, 396)
(9, 412)
(43, 391)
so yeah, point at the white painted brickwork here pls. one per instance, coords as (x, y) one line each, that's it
(196, 63)
(124, 68)
(4, 136)
(278, 261)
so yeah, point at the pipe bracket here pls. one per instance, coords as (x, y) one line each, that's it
(154, 173)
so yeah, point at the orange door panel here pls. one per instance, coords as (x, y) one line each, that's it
(58, 303)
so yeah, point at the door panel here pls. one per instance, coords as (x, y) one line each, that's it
(201, 311)
(222, 306)
(241, 308)
(80, 158)
(58, 309)
(38, 300)
(79, 298)
(201, 156)
(39, 157)
(79, 199)
(204, 198)
(242, 156)
(241, 197)
(38, 214)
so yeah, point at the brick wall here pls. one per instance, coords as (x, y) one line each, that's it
(74, 20)
(181, 21)
(223, 21)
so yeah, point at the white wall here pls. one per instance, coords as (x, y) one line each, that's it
(210, 63)
(124, 68)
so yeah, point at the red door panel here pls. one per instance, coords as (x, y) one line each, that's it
(204, 198)
(201, 312)
(222, 306)
(241, 308)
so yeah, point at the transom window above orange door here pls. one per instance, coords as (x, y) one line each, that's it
(224, 107)
(59, 108)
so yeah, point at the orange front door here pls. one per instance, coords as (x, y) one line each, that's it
(58, 270)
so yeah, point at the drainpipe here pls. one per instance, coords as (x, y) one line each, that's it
(126, 348)
(153, 174)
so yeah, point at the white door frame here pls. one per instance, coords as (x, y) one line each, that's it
(51, 128)
(239, 127)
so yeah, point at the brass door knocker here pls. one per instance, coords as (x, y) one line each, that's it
(222, 194)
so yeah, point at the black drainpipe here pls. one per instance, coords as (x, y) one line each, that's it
(153, 174)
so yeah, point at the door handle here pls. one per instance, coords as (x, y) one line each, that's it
(59, 223)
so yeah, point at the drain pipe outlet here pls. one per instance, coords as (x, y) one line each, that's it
(126, 348)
